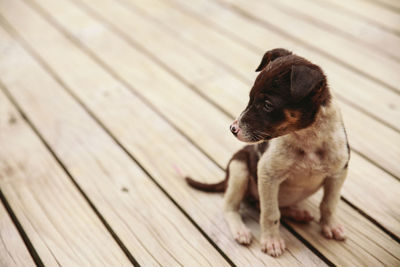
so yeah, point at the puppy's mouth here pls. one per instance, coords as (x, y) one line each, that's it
(252, 138)
(244, 134)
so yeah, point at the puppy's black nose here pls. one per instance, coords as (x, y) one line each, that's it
(234, 128)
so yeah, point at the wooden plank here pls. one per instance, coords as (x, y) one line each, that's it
(361, 94)
(136, 126)
(393, 5)
(342, 23)
(349, 86)
(149, 153)
(375, 192)
(360, 230)
(233, 99)
(13, 251)
(385, 18)
(361, 233)
(239, 99)
(181, 101)
(368, 143)
(390, 163)
(58, 221)
(362, 59)
(357, 130)
(236, 95)
(373, 140)
(126, 197)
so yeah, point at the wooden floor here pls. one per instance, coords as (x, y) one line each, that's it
(105, 105)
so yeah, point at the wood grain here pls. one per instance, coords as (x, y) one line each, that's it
(393, 5)
(362, 140)
(128, 66)
(58, 221)
(349, 85)
(152, 228)
(13, 252)
(340, 23)
(110, 58)
(128, 27)
(128, 118)
(386, 18)
(359, 232)
(231, 95)
(361, 58)
(232, 100)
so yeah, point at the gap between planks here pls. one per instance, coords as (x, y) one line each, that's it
(362, 32)
(248, 12)
(15, 249)
(381, 17)
(154, 221)
(228, 108)
(266, 259)
(339, 77)
(388, 4)
(389, 178)
(41, 217)
(224, 108)
(214, 102)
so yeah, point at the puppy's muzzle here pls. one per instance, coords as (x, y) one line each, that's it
(235, 128)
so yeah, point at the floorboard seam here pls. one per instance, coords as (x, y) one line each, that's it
(276, 29)
(31, 249)
(61, 164)
(128, 86)
(55, 76)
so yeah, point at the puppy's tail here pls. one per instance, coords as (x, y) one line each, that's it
(217, 187)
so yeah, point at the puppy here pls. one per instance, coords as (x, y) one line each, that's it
(297, 145)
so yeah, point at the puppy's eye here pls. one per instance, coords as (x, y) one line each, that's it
(268, 107)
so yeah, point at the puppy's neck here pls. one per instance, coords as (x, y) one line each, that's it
(327, 121)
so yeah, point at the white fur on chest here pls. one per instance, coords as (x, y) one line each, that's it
(303, 160)
(308, 162)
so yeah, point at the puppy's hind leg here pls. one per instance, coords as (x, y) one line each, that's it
(234, 194)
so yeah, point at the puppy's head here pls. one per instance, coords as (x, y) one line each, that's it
(285, 97)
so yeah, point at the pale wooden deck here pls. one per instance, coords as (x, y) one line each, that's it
(105, 104)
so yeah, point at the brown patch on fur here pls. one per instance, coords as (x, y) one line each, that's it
(295, 88)
(291, 119)
(250, 155)
(292, 111)
(216, 187)
(290, 99)
(271, 56)
(292, 116)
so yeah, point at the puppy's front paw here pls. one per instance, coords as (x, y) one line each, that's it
(333, 230)
(273, 246)
(243, 236)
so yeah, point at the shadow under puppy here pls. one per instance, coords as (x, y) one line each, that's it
(297, 145)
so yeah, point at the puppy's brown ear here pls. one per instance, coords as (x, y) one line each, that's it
(271, 55)
(303, 80)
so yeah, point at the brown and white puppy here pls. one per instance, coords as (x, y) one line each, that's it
(298, 144)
